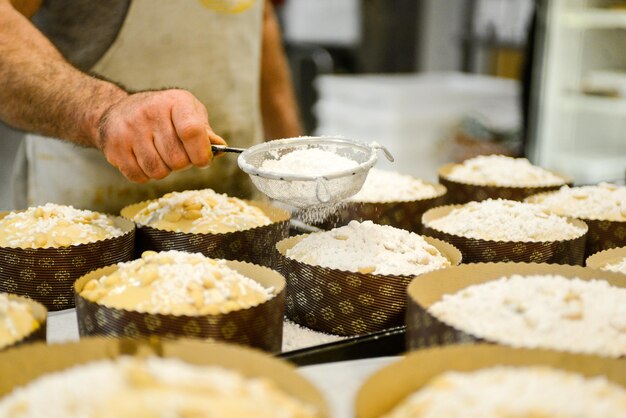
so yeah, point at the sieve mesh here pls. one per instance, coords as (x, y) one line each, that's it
(304, 191)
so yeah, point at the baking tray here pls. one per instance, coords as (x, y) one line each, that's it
(389, 342)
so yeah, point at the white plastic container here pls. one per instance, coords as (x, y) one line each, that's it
(413, 115)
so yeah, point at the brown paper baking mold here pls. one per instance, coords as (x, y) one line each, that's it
(602, 235)
(478, 250)
(459, 192)
(388, 387)
(48, 274)
(404, 215)
(260, 326)
(27, 363)
(425, 330)
(603, 258)
(250, 245)
(346, 303)
(40, 314)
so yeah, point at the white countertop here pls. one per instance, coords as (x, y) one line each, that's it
(340, 381)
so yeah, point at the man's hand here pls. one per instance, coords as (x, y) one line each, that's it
(148, 135)
(145, 135)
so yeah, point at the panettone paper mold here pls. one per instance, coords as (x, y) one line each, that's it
(602, 235)
(40, 313)
(399, 214)
(463, 192)
(425, 330)
(488, 251)
(249, 245)
(388, 387)
(48, 274)
(27, 363)
(346, 303)
(260, 326)
(603, 258)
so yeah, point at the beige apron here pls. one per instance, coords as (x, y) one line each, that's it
(192, 44)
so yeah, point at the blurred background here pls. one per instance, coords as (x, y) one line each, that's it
(443, 80)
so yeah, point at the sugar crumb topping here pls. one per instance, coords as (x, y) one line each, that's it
(178, 283)
(500, 170)
(155, 387)
(604, 201)
(201, 211)
(541, 311)
(53, 225)
(506, 220)
(508, 391)
(389, 186)
(369, 248)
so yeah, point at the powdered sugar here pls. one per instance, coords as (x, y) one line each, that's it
(309, 162)
(154, 387)
(507, 391)
(500, 170)
(369, 248)
(604, 201)
(296, 337)
(389, 186)
(506, 220)
(318, 214)
(547, 311)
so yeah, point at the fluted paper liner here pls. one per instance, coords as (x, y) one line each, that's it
(248, 245)
(463, 192)
(30, 362)
(479, 250)
(40, 313)
(48, 274)
(399, 214)
(425, 330)
(346, 303)
(260, 326)
(602, 235)
(388, 387)
(600, 260)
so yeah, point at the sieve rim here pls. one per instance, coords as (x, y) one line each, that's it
(246, 167)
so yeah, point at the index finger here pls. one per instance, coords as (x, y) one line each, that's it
(192, 127)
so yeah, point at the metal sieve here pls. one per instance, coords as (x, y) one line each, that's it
(304, 191)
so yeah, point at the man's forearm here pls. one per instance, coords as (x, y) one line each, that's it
(146, 135)
(41, 92)
(278, 103)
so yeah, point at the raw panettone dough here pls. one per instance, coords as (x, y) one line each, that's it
(605, 202)
(551, 312)
(506, 220)
(389, 186)
(507, 392)
(16, 320)
(151, 388)
(178, 283)
(54, 225)
(201, 212)
(499, 170)
(369, 248)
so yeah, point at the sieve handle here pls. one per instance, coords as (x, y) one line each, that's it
(385, 151)
(217, 149)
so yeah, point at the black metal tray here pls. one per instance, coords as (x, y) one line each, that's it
(389, 342)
